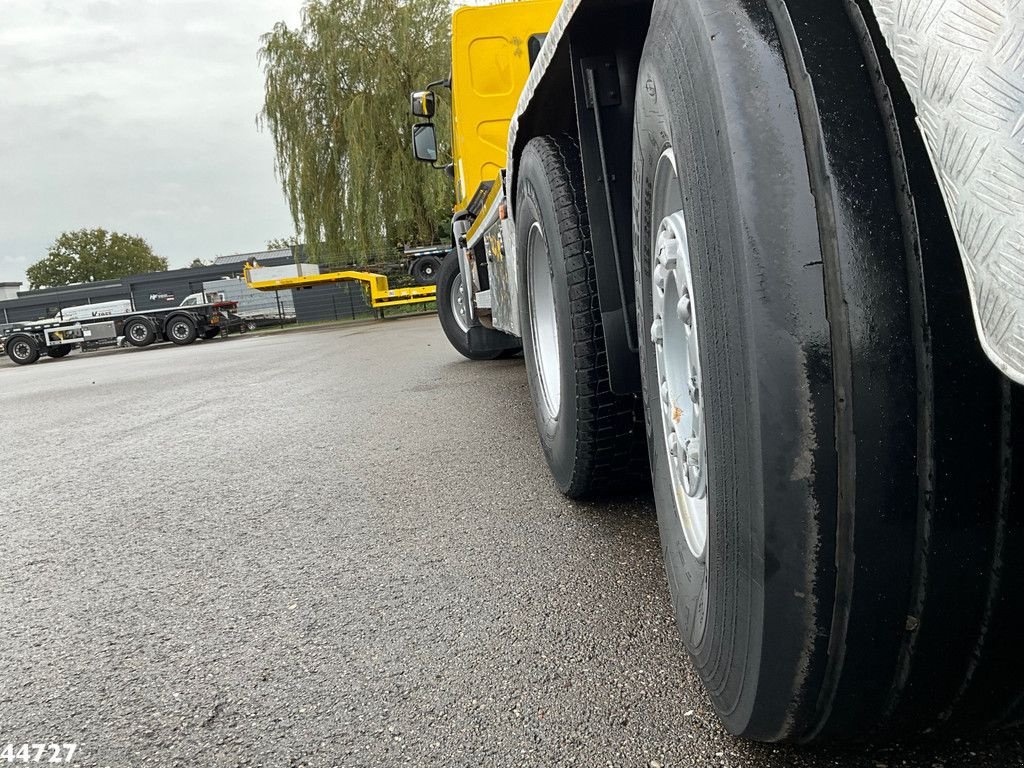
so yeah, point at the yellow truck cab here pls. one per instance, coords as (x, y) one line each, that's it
(493, 48)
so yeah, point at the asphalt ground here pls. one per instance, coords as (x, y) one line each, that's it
(336, 547)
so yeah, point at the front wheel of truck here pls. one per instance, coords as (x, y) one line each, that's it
(453, 310)
(834, 459)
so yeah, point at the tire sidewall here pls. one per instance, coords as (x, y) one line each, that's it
(714, 596)
(147, 340)
(688, 575)
(189, 337)
(11, 345)
(535, 205)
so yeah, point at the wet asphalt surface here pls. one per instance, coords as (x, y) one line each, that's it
(262, 551)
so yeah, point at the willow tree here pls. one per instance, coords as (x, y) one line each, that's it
(337, 107)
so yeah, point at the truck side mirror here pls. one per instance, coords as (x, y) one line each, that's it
(422, 103)
(424, 142)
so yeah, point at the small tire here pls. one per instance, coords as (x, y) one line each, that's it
(62, 350)
(424, 270)
(211, 333)
(593, 439)
(862, 565)
(181, 330)
(22, 349)
(451, 307)
(139, 332)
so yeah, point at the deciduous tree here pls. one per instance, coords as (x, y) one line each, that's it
(86, 255)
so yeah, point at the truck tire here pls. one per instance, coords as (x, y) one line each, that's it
(591, 437)
(61, 350)
(832, 454)
(181, 330)
(139, 332)
(22, 349)
(211, 333)
(451, 306)
(424, 270)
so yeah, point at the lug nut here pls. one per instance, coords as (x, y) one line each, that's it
(657, 331)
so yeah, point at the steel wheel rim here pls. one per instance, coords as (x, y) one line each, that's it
(22, 350)
(179, 330)
(137, 332)
(458, 301)
(675, 333)
(543, 323)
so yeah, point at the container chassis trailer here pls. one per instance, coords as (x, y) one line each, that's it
(25, 342)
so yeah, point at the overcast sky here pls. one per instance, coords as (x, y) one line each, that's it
(137, 116)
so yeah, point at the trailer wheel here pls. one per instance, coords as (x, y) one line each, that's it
(590, 436)
(831, 452)
(424, 270)
(181, 330)
(139, 332)
(452, 307)
(22, 349)
(62, 350)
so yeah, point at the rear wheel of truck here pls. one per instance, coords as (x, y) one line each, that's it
(591, 437)
(453, 309)
(831, 451)
(139, 332)
(22, 349)
(61, 350)
(181, 330)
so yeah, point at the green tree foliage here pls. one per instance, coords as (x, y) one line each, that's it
(279, 243)
(337, 107)
(86, 255)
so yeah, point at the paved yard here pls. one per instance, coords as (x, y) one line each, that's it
(262, 551)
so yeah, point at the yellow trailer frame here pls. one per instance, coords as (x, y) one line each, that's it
(376, 286)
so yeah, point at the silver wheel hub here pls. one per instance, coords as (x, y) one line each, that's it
(543, 322)
(138, 332)
(674, 332)
(22, 350)
(458, 302)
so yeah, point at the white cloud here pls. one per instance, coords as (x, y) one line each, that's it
(139, 116)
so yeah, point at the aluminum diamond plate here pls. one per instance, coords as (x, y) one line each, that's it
(963, 63)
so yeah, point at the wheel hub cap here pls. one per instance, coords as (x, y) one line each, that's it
(677, 353)
(543, 321)
(458, 300)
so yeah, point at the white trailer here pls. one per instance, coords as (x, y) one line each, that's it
(91, 326)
